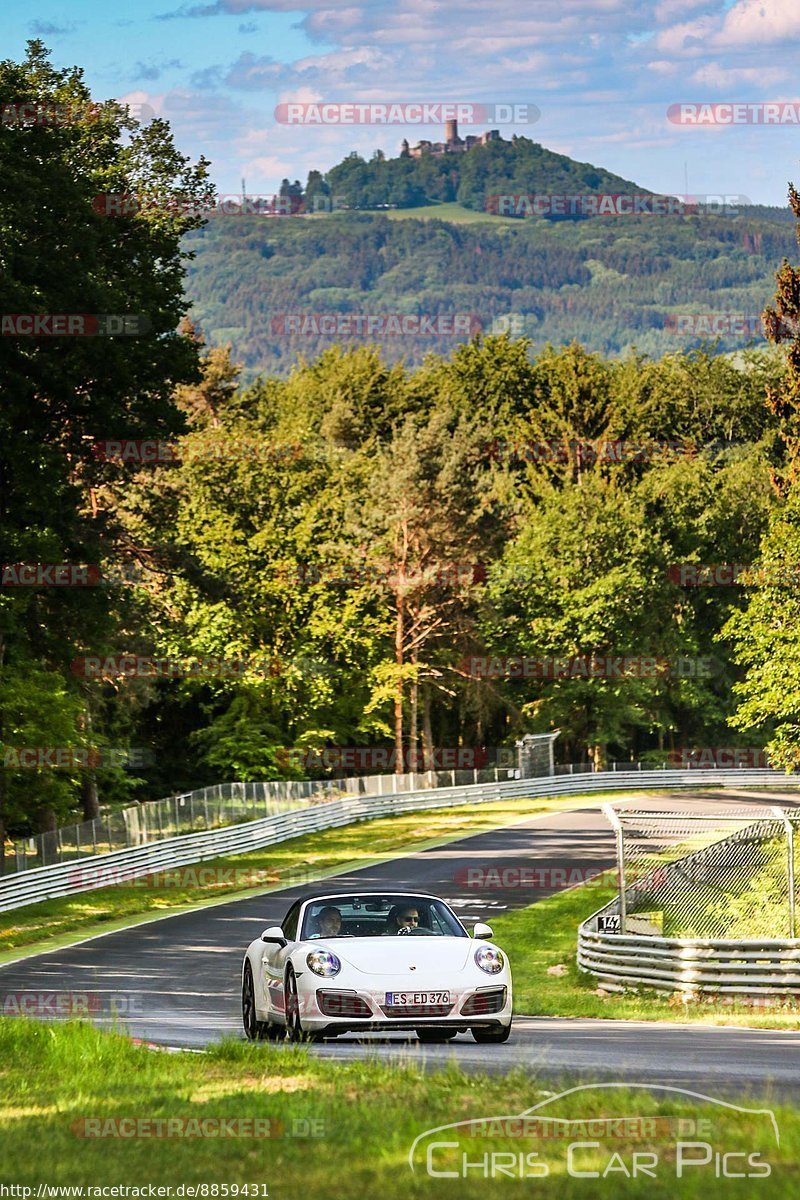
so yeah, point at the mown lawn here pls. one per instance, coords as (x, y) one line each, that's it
(346, 1130)
(449, 211)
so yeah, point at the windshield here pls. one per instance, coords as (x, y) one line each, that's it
(379, 916)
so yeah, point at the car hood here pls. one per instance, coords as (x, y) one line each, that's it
(390, 954)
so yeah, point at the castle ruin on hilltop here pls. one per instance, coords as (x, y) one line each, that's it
(452, 144)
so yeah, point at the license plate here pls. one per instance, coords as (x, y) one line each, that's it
(401, 999)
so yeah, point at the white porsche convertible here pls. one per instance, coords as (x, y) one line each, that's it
(375, 961)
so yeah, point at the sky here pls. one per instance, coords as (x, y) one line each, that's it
(602, 74)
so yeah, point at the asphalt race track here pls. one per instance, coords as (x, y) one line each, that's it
(176, 981)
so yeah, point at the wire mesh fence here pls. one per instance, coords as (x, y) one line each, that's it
(727, 874)
(231, 803)
(213, 808)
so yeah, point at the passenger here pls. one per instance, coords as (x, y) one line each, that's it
(329, 922)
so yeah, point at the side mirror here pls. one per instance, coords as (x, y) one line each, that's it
(274, 934)
(482, 931)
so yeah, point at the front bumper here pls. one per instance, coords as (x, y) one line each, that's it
(344, 1010)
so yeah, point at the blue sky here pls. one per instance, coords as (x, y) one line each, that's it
(601, 72)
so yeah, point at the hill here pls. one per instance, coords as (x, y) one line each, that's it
(472, 179)
(610, 283)
(424, 237)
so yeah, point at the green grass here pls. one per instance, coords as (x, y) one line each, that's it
(545, 936)
(446, 211)
(365, 1115)
(449, 211)
(313, 856)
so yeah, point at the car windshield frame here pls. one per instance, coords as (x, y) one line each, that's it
(367, 915)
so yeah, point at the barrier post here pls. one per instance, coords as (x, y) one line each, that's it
(611, 816)
(787, 825)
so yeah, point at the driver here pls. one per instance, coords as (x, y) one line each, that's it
(329, 921)
(403, 920)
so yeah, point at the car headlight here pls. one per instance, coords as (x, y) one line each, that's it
(323, 962)
(490, 959)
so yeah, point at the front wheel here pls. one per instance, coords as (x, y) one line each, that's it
(294, 1026)
(492, 1036)
(254, 1030)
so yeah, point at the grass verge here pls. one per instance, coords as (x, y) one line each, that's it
(543, 938)
(449, 211)
(346, 1129)
(303, 859)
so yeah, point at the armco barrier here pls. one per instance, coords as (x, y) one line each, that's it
(767, 967)
(65, 879)
(213, 808)
(751, 966)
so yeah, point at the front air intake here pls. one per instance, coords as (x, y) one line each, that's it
(342, 1004)
(481, 1004)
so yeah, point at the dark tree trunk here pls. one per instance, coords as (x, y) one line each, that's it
(89, 800)
(413, 734)
(399, 637)
(427, 732)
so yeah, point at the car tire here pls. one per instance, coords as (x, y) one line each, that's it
(254, 1030)
(436, 1035)
(294, 1025)
(294, 1028)
(492, 1036)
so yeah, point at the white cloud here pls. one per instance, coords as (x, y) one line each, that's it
(662, 66)
(691, 36)
(747, 24)
(761, 22)
(714, 75)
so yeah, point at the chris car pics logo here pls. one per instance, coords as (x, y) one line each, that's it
(594, 1131)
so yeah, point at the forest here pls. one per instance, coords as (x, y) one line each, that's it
(618, 285)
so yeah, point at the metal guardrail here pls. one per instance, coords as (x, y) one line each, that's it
(746, 966)
(120, 866)
(100, 870)
(214, 808)
(231, 803)
(770, 966)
